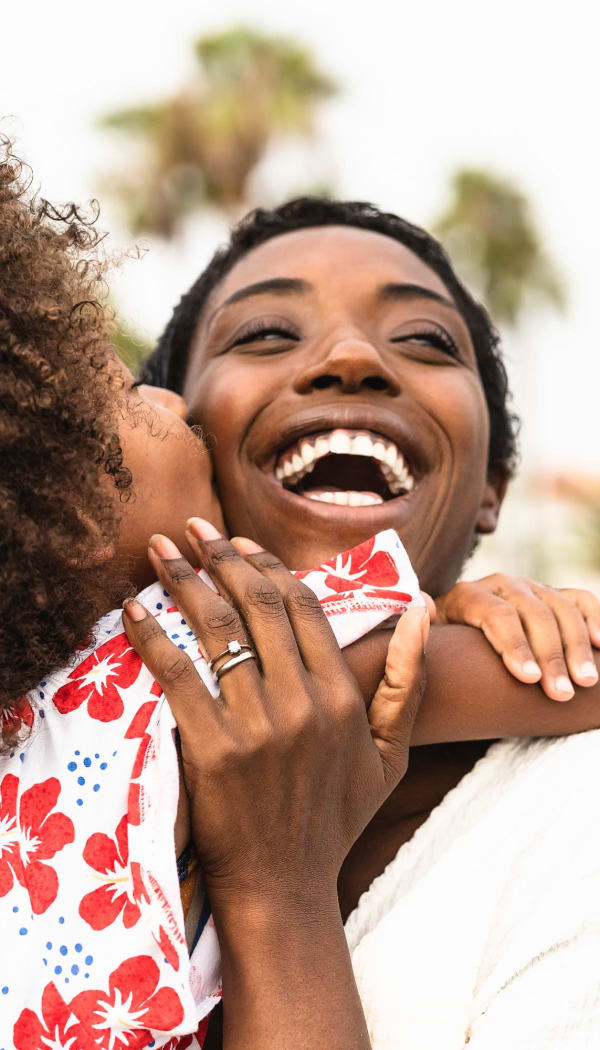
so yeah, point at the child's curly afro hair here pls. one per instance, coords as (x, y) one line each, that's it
(57, 434)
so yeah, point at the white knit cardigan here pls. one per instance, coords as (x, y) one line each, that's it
(484, 931)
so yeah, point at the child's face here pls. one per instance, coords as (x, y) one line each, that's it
(172, 473)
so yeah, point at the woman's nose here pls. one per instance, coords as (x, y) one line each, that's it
(351, 365)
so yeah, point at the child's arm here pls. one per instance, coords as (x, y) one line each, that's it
(470, 695)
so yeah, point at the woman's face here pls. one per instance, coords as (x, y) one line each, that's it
(339, 384)
(172, 473)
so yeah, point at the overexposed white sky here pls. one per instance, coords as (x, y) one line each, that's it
(426, 88)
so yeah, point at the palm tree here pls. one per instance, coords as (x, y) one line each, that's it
(201, 146)
(492, 237)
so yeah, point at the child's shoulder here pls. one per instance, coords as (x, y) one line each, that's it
(104, 683)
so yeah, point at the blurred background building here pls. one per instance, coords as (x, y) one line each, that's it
(473, 120)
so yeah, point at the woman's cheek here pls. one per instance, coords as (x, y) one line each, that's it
(221, 405)
(460, 402)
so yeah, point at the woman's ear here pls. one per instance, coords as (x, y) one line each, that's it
(493, 498)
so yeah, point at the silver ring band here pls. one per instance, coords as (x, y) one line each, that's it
(235, 660)
(233, 648)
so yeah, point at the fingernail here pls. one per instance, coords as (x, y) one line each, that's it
(164, 547)
(202, 530)
(246, 546)
(530, 667)
(563, 685)
(134, 610)
(589, 670)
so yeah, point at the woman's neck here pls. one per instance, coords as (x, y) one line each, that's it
(433, 771)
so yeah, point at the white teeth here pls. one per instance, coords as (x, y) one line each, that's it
(363, 446)
(301, 459)
(346, 499)
(379, 451)
(307, 452)
(321, 447)
(320, 497)
(340, 442)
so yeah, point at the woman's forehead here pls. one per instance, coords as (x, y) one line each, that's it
(330, 254)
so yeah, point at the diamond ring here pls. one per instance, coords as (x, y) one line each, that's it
(234, 648)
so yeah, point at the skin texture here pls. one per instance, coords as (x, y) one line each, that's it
(352, 358)
(172, 474)
(320, 754)
(332, 355)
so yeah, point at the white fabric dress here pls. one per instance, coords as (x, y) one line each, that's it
(92, 948)
(484, 931)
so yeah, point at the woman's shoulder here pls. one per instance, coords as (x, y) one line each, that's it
(512, 810)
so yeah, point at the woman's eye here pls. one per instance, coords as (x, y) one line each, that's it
(264, 334)
(437, 340)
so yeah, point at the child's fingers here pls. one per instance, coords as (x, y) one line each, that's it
(589, 607)
(480, 605)
(573, 633)
(395, 704)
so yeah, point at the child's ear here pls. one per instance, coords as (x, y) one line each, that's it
(493, 497)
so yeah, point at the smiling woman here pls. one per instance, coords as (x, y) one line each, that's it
(311, 345)
(350, 383)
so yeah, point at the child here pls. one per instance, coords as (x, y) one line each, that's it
(89, 903)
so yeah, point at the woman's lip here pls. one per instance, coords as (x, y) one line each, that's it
(379, 513)
(347, 417)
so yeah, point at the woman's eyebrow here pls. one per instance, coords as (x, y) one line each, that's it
(279, 285)
(401, 292)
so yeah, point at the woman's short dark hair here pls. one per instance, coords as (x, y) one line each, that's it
(167, 365)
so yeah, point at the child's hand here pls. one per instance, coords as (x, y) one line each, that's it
(542, 634)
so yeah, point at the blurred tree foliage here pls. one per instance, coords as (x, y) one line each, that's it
(591, 536)
(493, 240)
(201, 146)
(129, 345)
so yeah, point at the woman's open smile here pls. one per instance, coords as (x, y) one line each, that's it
(339, 382)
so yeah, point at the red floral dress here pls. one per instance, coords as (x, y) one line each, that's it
(94, 955)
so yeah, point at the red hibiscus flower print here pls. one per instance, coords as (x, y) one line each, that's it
(10, 859)
(38, 835)
(138, 729)
(98, 680)
(186, 1041)
(358, 568)
(121, 1018)
(110, 860)
(53, 1030)
(13, 719)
